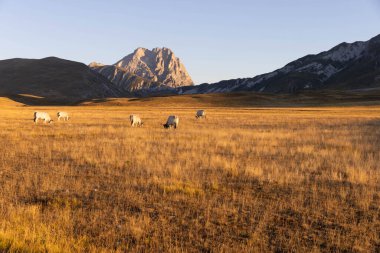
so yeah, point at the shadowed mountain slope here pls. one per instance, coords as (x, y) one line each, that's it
(348, 66)
(52, 80)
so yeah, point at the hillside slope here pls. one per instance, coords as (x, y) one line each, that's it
(52, 79)
(344, 67)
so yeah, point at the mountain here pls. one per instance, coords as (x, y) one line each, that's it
(53, 79)
(128, 83)
(348, 66)
(146, 69)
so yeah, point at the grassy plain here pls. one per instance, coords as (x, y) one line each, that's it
(297, 179)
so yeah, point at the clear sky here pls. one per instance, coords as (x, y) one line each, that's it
(216, 39)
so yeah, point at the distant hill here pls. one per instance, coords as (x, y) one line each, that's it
(146, 70)
(52, 79)
(354, 66)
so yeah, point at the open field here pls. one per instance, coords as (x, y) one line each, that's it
(243, 180)
(238, 99)
(249, 99)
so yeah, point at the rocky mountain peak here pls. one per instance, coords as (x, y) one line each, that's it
(95, 64)
(139, 52)
(158, 64)
(162, 49)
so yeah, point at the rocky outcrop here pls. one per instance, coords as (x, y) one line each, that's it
(125, 81)
(151, 68)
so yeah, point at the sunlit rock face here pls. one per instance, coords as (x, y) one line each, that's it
(159, 65)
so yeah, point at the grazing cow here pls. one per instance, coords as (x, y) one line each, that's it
(63, 115)
(135, 120)
(172, 121)
(200, 114)
(42, 116)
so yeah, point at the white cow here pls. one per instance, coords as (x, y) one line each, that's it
(200, 114)
(42, 116)
(135, 120)
(63, 115)
(172, 121)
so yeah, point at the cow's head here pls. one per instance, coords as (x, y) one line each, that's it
(166, 126)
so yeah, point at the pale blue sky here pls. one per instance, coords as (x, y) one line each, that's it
(216, 39)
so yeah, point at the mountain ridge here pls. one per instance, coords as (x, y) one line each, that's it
(346, 66)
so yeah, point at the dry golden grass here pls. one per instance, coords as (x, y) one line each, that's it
(243, 180)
